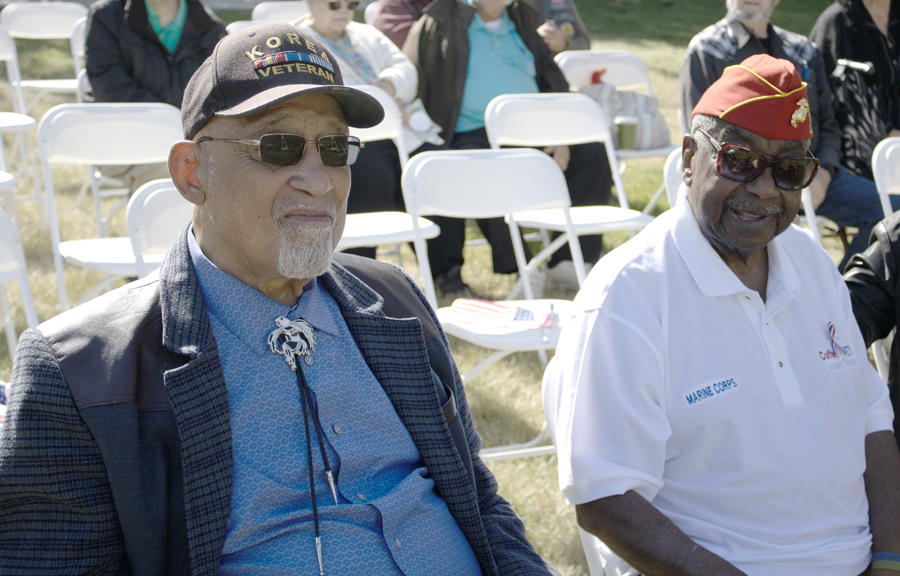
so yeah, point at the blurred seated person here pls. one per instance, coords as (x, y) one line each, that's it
(146, 51)
(866, 104)
(501, 52)
(366, 56)
(562, 27)
(871, 277)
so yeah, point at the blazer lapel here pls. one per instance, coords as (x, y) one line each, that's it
(395, 351)
(200, 405)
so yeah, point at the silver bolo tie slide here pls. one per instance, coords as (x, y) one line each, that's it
(293, 339)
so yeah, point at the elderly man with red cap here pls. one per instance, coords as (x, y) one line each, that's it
(257, 407)
(711, 399)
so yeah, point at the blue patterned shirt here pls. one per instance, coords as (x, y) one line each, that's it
(389, 521)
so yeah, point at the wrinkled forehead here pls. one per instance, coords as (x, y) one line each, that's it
(307, 115)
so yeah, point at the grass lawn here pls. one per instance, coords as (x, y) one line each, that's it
(506, 399)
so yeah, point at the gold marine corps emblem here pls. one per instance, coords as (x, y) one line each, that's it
(800, 114)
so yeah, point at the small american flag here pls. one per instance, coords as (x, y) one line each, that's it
(502, 317)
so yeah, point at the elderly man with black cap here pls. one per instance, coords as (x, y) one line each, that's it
(712, 403)
(255, 408)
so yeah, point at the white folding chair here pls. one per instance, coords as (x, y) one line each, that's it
(155, 216)
(601, 560)
(43, 21)
(283, 11)
(553, 120)
(886, 169)
(673, 176)
(393, 224)
(239, 25)
(20, 126)
(623, 69)
(77, 43)
(12, 267)
(93, 134)
(369, 13)
(488, 184)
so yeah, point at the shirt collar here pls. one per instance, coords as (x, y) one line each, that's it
(479, 24)
(248, 313)
(742, 34)
(710, 272)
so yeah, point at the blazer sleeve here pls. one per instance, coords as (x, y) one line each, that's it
(57, 514)
(871, 278)
(397, 67)
(512, 553)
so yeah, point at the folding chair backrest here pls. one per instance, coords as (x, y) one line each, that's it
(482, 183)
(279, 11)
(10, 59)
(673, 175)
(391, 128)
(155, 215)
(369, 12)
(551, 120)
(239, 25)
(76, 42)
(114, 134)
(42, 20)
(623, 69)
(886, 168)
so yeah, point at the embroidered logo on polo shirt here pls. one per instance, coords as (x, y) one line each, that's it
(710, 391)
(836, 356)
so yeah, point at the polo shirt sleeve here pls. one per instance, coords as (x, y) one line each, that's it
(606, 402)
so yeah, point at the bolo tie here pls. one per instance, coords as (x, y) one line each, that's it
(294, 339)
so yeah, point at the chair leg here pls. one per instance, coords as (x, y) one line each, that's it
(9, 326)
(524, 450)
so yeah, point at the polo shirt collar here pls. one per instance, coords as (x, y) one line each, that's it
(505, 24)
(742, 34)
(248, 313)
(710, 272)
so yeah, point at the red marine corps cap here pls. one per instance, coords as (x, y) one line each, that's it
(261, 65)
(763, 95)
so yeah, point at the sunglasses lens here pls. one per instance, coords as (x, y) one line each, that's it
(795, 173)
(281, 149)
(338, 150)
(352, 5)
(334, 5)
(740, 164)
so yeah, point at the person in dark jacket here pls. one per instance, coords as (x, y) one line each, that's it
(466, 55)
(867, 89)
(871, 277)
(147, 50)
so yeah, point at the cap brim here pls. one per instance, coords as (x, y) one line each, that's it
(360, 109)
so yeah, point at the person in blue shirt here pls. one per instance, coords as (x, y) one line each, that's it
(466, 55)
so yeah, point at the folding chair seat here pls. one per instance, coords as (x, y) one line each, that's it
(623, 69)
(43, 21)
(282, 11)
(93, 134)
(12, 267)
(489, 184)
(554, 120)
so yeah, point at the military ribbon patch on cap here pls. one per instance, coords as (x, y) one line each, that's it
(800, 114)
(283, 57)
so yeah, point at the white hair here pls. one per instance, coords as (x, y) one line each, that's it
(304, 251)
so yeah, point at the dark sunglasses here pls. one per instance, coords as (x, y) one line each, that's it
(352, 5)
(742, 164)
(287, 149)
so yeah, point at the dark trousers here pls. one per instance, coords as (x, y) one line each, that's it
(589, 180)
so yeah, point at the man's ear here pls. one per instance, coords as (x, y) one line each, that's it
(184, 161)
(688, 149)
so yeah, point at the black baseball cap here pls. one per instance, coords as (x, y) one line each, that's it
(255, 67)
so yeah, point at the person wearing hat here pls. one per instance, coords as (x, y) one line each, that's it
(837, 193)
(257, 406)
(711, 401)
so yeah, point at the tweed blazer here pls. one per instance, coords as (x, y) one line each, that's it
(116, 456)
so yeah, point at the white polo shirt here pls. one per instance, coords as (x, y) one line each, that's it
(742, 421)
